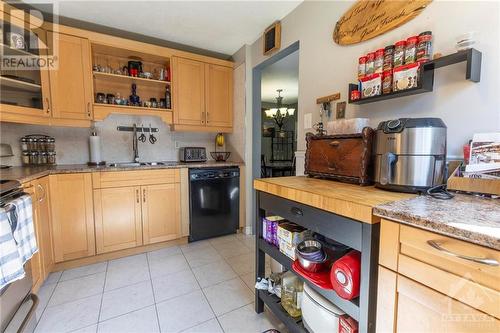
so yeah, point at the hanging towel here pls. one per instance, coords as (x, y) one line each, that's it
(21, 221)
(11, 265)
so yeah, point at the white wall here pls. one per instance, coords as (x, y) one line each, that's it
(325, 67)
(72, 143)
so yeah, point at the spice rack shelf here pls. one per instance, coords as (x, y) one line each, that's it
(473, 73)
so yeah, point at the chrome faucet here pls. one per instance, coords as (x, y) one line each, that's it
(135, 144)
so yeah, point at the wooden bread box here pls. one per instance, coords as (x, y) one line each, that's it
(345, 157)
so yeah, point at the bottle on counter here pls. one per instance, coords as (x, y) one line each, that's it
(168, 98)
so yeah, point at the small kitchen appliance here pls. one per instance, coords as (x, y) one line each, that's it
(193, 154)
(410, 154)
(345, 275)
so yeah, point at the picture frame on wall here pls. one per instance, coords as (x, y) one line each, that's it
(271, 39)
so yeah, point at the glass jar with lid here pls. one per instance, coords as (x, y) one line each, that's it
(51, 144)
(25, 157)
(24, 143)
(51, 157)
(34, 157)
(292, 289)
(30, 143)
(43, 157)
(42, 144)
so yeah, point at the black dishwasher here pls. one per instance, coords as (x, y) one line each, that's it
(214, 202)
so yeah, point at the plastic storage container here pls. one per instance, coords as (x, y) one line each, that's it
(319, 314)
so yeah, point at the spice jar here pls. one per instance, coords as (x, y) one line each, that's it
(387, 82)
(388, 57)
(31, 144)
(399, 53)
(361, 66)
(379, 61)
(42, 144)
(424, 47)
(24, 143)
(411, 50)
(25, 157)
(370, 63)
(43, 158)
(51, 144)
(51, 157)
(34, 157)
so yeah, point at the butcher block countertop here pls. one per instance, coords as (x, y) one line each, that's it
(349, 200)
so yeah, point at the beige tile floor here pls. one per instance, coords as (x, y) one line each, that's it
(202, 287)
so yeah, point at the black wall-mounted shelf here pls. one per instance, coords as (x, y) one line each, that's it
(473, 73)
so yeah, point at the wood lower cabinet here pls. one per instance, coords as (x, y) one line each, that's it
(117, 218)
(72, 216)
(43, 217)
(71, 82)
(428, 282)
(414, 307)
(161, 212)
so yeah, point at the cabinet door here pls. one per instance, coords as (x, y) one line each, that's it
(24, 91)
(71, 83)
(421, 309)
(72, 216)
(117, 218)
(36, 260)
(188, 84)
(160, 212)
(219, 95)
(41, 187)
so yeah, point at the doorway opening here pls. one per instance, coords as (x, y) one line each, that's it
(279, 110)
(262, 151)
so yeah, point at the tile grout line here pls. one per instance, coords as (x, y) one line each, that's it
(102, 294)
(205, 296)
(153, 291)
(47, 305)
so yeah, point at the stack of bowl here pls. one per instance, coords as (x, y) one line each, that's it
(311, 255)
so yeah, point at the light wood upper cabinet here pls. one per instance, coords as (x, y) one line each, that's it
(72, 216)
(188, 81)
(161, 212)
(219, 95)
(71, 83)
(117, 218)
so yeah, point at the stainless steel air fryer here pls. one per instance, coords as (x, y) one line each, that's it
(410, 154)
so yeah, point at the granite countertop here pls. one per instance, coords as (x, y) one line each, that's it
(25, 174)
(470, 218)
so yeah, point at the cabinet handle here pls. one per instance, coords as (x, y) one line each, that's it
(207, 117)
(296, 211)
(143, 195)
(137, 194)
(48, 104)
(484, 261)
(43, 191)
(88, 109)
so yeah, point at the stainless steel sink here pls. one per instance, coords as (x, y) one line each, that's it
(134, 164)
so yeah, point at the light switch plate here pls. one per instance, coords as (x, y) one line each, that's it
(308, 120)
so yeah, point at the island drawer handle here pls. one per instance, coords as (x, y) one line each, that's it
(296, 211)
(334, 143)
(484, 261)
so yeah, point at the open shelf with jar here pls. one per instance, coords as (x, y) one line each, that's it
(472, 57)
(131, 82)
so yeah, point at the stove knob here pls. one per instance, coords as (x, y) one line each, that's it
(392, 124)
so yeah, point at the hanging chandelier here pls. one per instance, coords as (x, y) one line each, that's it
(280, 112)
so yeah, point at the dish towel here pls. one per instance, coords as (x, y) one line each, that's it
(17, 239)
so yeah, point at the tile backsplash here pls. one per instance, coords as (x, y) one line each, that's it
(72, 143)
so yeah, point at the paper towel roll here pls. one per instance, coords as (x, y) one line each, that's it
(95, 149)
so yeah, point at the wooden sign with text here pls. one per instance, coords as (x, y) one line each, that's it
(367, 19)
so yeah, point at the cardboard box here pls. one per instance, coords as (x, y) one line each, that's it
(287, 250)
(270, 227)
(291, 233)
